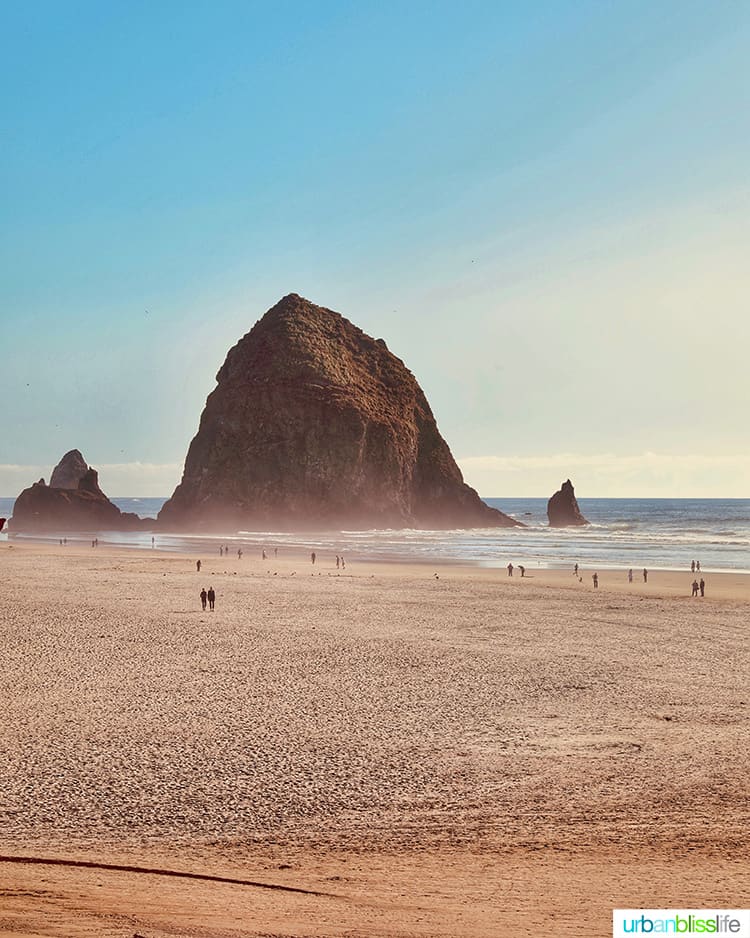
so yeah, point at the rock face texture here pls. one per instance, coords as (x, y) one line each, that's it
(314, 424)
(562, 508)
(69, 471)
(57, 508)
(2, 523)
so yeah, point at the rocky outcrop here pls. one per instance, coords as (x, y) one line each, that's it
(313, 424)
(69, 471)
(61, 508)
(2, 523)
(562, 508)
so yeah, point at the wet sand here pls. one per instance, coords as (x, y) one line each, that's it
(466, 754)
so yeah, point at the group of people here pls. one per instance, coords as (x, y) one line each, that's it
(208, 596)
(510, 568)
(697, 587)
(340, 562)
(224, 552)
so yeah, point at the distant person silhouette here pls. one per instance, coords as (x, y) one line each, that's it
(702, 585)
(645, 575)
(239, 554)
(152, 541)
(198, 565)
(211, 598)
(204, 597)
(695, 587)
(343, 563)
(595, 578)
(522, 569)
(509, 568)
(276, 551)
(312, 558)
(338, 561)
(697, 566)
(692, 567)
(630, 575)
(575, 570)
(263, 553)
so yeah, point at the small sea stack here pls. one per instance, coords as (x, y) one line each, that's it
(563, 510)
(316, 425)
(73, 503)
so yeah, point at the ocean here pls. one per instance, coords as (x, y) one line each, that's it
(660, 533)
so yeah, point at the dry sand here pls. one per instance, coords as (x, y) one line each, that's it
(467, 755)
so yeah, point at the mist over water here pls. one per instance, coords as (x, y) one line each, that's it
(655, 533)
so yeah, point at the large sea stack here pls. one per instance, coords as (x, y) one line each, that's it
(71, 502)
(314, 424)
(562, 508)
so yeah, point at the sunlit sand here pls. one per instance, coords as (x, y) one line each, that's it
(423, 751)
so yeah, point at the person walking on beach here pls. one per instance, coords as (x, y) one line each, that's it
(697, 566)
(630, 575)
(204, 597)
(239, 553)
(510, 569)
(692, 566)
(522, 569)
(211, 598)
(702, 586)
(312, 558)
(695, 587)
(263, 553)
(198, 565)
(276, 551)
(645, 575)
(575, 570)
(595, 578)
(221, 550)
(343, 563)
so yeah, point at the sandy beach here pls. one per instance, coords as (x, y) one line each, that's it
(406, 750)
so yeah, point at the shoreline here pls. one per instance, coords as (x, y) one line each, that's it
(663, 582)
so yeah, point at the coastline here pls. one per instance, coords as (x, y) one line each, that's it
(665, 583)
(661, 534)
(462, 756)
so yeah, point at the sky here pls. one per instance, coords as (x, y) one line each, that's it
(543, 208)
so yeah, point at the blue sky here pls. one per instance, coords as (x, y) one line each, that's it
(543, 208)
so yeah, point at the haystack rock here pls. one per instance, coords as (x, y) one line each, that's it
(68, 507)
(562, 508)
(314, 424)
(69, 471)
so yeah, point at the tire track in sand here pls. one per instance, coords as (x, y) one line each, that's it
(156, 871)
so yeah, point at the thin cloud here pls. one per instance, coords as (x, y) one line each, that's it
(608, 475)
